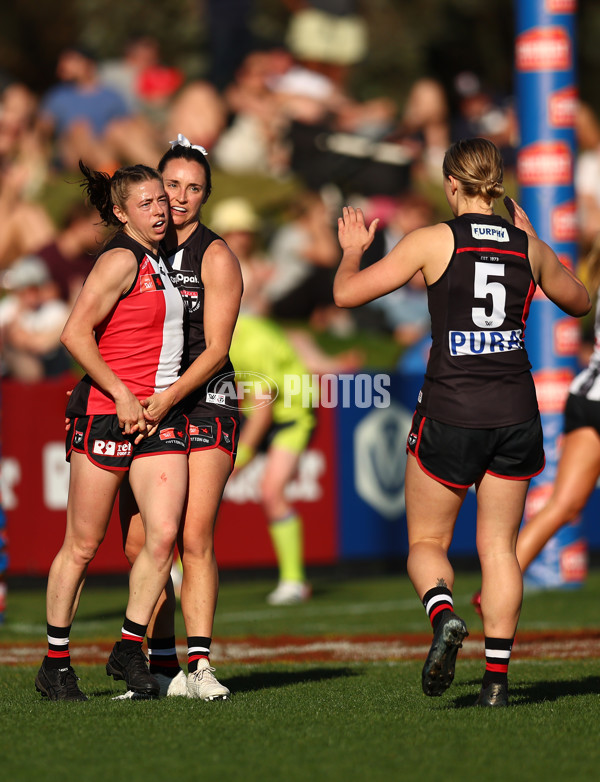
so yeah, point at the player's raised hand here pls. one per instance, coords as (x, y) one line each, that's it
(353, 233)
(519, 216)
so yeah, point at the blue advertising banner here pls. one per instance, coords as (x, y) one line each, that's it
(371, 463)
(372, 460)
(546, 88)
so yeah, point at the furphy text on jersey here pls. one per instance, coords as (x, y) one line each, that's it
(477, 343)
(494, 233)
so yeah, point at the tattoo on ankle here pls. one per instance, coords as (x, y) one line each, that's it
(442, 583)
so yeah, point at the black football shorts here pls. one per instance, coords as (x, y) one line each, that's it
(222, 432)
(101, 439)
(460, 457)
(581, 412)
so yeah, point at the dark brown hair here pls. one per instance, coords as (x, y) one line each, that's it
(179, 151)
(106, 191)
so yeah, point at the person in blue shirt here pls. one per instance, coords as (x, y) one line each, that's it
(87, 120)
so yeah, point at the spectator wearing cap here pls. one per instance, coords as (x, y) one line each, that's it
(236, 221)
(32, 318)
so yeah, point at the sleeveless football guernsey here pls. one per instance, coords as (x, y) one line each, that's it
(216, 397)
(478, 373)
(142, 338)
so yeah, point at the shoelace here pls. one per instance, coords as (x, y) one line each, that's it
(199, 672)
(139, 659)
(69, 680)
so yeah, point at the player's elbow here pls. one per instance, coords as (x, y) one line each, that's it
(218, 351)
(580, 303)
(586, 306)
(342, 297)
(339, 300)
(66, 337)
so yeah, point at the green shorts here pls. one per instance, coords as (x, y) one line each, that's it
(293, 436)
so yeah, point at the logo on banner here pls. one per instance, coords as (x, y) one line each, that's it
(561, 6)
(574, 561)
(380, 459)
(563, 222)
(552, 389)
(309, 484)
(562, 107)
(567, 337)
(537, 497)
(545, 163)
(544, 49)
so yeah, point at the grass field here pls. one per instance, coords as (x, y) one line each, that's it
(329, 690)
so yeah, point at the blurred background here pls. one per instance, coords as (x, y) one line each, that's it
(303, 105)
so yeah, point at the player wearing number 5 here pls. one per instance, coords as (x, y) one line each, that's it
(477, 421)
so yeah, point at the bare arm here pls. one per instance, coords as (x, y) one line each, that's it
(426, 249)
(111, 276)
(558, 283)
(222, 279)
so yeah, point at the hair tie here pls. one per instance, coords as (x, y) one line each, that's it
(182, 141)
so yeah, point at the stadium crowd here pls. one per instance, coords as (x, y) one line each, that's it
(290, 144)
(284, 120)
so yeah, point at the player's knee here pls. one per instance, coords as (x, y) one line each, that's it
(84, 550)
(273, 500)
(566, 506)
(161, 542)
(200, 552)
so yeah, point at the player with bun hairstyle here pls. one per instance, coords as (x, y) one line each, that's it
(126, 332)
(476, 420)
